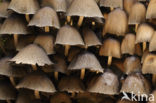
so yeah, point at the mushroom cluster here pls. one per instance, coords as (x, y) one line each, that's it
(77, 51)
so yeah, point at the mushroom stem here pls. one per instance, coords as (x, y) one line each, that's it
(109, 60)
(12, 81)
(37, 94)
(80, 21)
(71, 23)
(111, 8)
(73, 94)
(56, 75)
(8, 101)
(34, 67)
(47, 29)
(82, 73)
(27, 17)
(68, 19)
(86, 47)
(67, 47)
(144, 46)
(105, 15)
(93, 23)
(136, 27)
(15, 39)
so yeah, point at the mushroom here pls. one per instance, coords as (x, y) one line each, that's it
(14, 25)
(110, 48)
(45, 17)
(137, 15)
(46, 42)
(32, 55)
(4, 13)
(136, 84)
(152, 42)
(128, 44)
(71, 84)
(132, 64)
(107, 83)
(85, 60)
(83, 9)
(26, 7)
(68, 35)
(151, 13)
(144, 34)
(38, 82)
(115, 18)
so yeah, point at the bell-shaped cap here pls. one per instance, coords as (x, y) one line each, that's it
(84, 8)
(137, 14)
(71, 84)
(128, 5)
(7, 91)
(46, 16)
(85, 60)
(116, 23)
(58, 5)
(128, 44)
(112, 3)
(151, 12)
(132, 64)
(37, 81)
(24, 6)
(68, 35)
(32, 54)
(14, 25)
(144, 33)
(90, 38)
(152, 44)
(136, 84)
(60, 98)
(107, 83)
(46, 42)
(4, 13)
(110, 47)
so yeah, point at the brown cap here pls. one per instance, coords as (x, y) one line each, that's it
(128, 5)
(46, 16)
(4, 13)
(60, 98)
(151, 13)
(112, 3)
(153, 43)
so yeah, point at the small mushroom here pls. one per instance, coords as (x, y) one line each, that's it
(4, 13)
(128, 44)
(67, 36)
(110, 48)
(152, 42)
(107, 83)
(32, 55)
(38, 82)
(151, 13)
(144, 34)
(83, 9)
(24, 7)
(115, 18)
(45, 17)
(85, 60)
(46, 42)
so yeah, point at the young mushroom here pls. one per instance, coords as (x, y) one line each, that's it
(4, 13)
(45, 17)
(85, 60)
(151, 13)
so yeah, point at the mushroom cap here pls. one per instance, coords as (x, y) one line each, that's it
(151, 13)
(24, 7)
(128, 44)
(71, 84)
(85, 60)
(60, 97)
(128, 5)
(137, 84)
(110, 47)
(14, 25)
(86, 8)
(112, 3)
(32, 54)
(4, 13)
(68, 35)
(58, 5)
(116, 23)
(37, 81)
(90, 38)
(137, 14)
(69, 2)
(132, 64)
(144, 33)
(46, 16)
(152, 43)
(46, 42)
(107, 83)
(7, 70)
(7, 91)
(149, 64)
